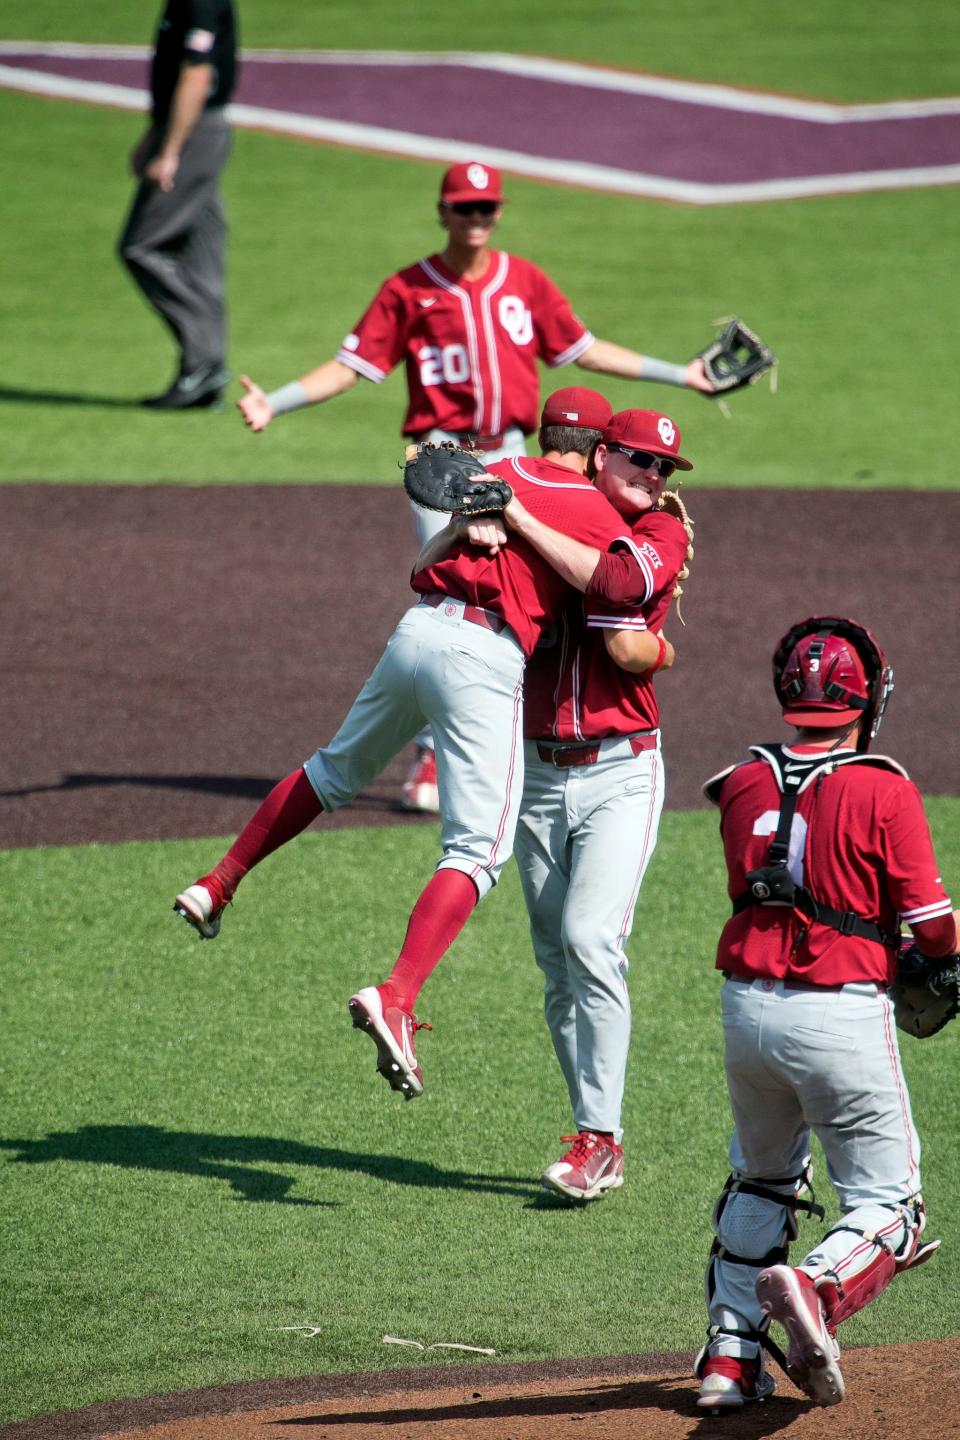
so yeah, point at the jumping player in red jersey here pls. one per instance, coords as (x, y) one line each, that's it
(469, 325)
(593, 793)
(828, 851)
(455, 661)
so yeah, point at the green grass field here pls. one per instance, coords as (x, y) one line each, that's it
(855, 293)
(197, 1151)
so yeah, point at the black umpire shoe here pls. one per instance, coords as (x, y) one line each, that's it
(202, 388)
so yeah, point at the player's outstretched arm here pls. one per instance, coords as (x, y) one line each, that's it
(258, 408)
(611, 359)
(639, 650)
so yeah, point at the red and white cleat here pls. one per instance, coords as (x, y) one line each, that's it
(197, 906)
(592, 1166)
(392, 1031)
(789, 1296)
(728, 1382)
(420, 788)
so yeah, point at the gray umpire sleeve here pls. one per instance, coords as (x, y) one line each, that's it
(173, 245)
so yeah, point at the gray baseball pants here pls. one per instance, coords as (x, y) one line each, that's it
(173, 245)
(584, 839)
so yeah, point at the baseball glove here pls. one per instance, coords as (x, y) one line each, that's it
(925, 992)
(736, 357)
(446, 478)
(671, 504)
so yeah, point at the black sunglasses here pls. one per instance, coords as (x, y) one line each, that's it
(644, 460)
(470, 207)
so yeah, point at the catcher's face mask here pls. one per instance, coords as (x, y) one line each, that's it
(829, 671)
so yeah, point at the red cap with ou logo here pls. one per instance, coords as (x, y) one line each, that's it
(471, 181)
(646, 430)
(578, 407)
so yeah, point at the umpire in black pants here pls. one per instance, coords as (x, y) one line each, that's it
(173, 241)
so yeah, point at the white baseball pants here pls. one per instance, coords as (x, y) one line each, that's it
(584, 839)
(465, 681)
(811, 1060)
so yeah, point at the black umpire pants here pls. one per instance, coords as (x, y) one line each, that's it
(173, 245)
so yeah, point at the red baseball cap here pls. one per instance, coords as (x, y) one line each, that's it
(471, 181)
(583, 409)
(646, 430)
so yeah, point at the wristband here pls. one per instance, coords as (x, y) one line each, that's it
(662, 655)
(663, 371)
(288, 397)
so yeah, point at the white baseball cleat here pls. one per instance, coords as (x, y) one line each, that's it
(592, 1166)
(392, 1031)
(196, 906)
(789, 1296)
(728, 1382)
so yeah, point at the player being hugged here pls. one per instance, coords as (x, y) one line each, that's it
(594, 778)
(828, 850)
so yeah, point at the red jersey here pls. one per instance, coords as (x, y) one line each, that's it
(518, 584)
(470, 346)
(572, 690)
(860, 841)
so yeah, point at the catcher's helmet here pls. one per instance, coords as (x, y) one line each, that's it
(830, 671)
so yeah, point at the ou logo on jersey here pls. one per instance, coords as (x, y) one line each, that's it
(516, 319)
(666, 429)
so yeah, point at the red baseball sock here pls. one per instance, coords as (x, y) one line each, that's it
(287, 810)
(438, 917)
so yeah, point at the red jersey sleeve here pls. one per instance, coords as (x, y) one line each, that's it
(561, 335)
(378, 341)
(646, 571)
(913, 880)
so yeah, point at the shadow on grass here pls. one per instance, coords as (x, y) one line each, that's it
(249, 787)
(232, 1158)
(10, 395)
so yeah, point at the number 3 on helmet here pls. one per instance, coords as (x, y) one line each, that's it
(831, 671)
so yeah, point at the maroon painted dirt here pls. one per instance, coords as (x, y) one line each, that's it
(156, 685)
(682, 139)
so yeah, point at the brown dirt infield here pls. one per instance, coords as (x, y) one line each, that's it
(169, 653)
(900, 1392)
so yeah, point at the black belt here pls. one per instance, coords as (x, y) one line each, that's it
(473, 613)
(563, 756)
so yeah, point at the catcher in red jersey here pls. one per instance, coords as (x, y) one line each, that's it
(594, 787)
(455, 662)
(469, 324)
(828, 851)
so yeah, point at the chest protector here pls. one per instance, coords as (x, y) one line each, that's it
(772, 884)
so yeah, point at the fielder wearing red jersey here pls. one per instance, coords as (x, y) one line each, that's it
(593, 792)
(470, 325)
(455, 662)
(828, 851)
